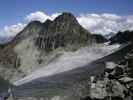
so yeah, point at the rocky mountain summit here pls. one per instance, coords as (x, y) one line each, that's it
(30, 49)
(63, 31)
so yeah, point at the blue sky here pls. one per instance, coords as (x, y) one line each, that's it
(13, 11)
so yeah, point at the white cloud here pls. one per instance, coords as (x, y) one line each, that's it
(105, 23)
(12, 30)
(95, 23)
(111, 16)
(40, 16)
(54, 15)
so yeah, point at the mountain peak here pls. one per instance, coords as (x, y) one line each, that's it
(67, 14)
(67, 17)
(32, 28)
(47, 23)
(34, 23)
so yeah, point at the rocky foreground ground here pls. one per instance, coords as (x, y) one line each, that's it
(116, 83)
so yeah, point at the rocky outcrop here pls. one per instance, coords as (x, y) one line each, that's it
(115, 84)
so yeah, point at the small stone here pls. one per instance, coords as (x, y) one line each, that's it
(110, 65)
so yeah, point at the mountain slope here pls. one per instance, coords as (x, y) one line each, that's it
(33, 46)
(122, 37)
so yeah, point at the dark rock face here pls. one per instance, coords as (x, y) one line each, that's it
(99, 38)
(63, 31)
(122, 37)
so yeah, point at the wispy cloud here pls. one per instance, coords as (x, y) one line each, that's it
(12, 30)
(105, 23)
(40, 16)
(95, 23)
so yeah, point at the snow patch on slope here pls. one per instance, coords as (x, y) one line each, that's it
(69, 61)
